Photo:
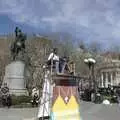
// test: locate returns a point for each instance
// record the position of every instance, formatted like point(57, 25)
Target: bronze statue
point(19, 43)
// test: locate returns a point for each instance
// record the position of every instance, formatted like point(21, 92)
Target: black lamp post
point(91, 63)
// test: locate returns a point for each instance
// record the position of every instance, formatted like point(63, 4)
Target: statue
point(18, 45)
point(16, 72)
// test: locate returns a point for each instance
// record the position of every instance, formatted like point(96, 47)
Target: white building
point(109, 73)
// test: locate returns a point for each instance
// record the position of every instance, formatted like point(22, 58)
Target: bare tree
point(37, 50)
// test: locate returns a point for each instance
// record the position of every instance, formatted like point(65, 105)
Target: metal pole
point(90, 75)
point(94, 81)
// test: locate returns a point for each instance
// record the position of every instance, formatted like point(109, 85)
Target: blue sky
point(89, 20)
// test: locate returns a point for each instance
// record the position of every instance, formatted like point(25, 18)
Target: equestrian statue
point(18, 45)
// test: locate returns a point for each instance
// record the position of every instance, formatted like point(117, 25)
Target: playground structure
point(60, 97)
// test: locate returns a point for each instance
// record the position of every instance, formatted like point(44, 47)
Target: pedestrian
point(5, 89)
point(63, 65)
point(6, 98)
point(118, 95)
point(53, 59)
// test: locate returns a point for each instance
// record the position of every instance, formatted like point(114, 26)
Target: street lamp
point(91, 62)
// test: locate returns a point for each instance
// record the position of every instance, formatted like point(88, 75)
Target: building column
point(117, 78)
point(114, 78)
point(111, 77)
point(101, 84)
point(106, 79)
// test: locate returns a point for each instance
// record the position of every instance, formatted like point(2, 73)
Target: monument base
point(16, 77)
point(19, 92)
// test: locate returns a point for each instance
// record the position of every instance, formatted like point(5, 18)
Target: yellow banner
point(63, 111)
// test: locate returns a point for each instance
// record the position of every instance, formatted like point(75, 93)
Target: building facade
point(108, 73)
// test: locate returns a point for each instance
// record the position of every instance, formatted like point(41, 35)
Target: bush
point(17, 100)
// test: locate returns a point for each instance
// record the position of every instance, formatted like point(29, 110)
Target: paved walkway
point(18, 114)
point(89, 111)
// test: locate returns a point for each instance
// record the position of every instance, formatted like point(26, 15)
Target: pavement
point(18, 113)
point(91, 111)
point(88, 111)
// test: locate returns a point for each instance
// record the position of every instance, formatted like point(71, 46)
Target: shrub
point(17, 100)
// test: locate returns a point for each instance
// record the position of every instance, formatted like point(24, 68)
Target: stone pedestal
point(15, 78)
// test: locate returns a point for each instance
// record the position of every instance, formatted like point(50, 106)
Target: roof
point(111, 55)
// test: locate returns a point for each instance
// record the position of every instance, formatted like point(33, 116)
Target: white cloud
point(89, 19)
